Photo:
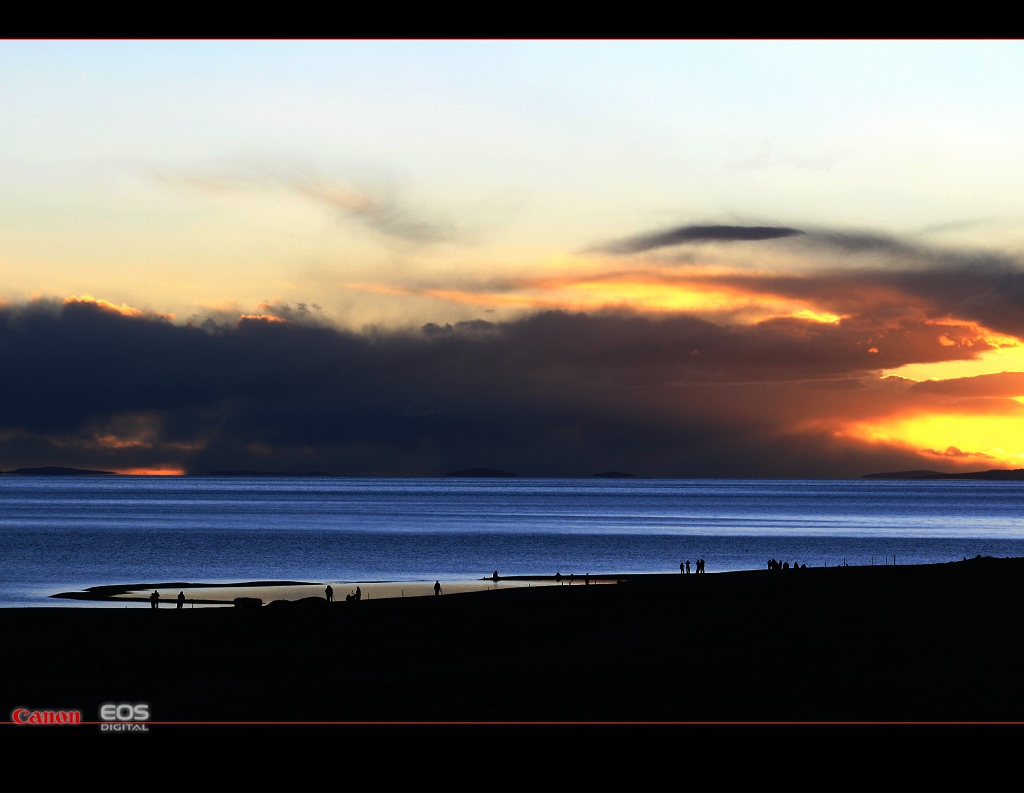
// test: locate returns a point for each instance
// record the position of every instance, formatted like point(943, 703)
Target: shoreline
point(205, 594)
point(914, 643)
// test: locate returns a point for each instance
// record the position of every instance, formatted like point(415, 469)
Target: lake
point(63, 533)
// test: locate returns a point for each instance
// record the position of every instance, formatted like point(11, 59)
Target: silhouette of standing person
point(330, 593)
point(181, 600)
point(687, 566)
point(494, 577)
point(359, 594)
point(437, 588)
point(154, 600)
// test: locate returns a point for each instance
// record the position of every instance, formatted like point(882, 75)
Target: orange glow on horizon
point(150, 471)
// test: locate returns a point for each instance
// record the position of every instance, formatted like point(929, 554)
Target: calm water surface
point(67, 533)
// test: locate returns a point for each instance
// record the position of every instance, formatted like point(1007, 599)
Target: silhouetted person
point(329, 592)
point(558, 575)
point(181, 600)
point(682, 568)
point(359, 594)
point(154, 600)
point(437, 588)
point(586, 580)
point(700, 565)
point(687, 566)
point(494, 577)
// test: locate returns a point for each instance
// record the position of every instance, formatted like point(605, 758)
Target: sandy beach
point(928, 643)
point(268, 592)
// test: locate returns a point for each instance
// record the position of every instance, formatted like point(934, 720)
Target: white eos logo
point(125, 717)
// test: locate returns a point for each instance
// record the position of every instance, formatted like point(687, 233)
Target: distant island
point(481, 473)
point(53, 470)
point(996, 475)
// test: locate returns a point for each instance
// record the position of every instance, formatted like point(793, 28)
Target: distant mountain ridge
point(55, 470)
point(995, 475)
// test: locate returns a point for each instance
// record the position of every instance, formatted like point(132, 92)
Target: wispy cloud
point(381, 209)
point(693, 235)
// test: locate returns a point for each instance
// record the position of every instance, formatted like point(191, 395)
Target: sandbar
point(224, 594)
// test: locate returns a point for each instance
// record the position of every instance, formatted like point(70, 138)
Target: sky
point(670, 258)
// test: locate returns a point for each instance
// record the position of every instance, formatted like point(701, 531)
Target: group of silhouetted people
point(154, 600)
point(684, 567)
point(329, 594)
point(776, 565)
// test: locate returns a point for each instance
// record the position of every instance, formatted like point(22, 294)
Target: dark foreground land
point(933, 643)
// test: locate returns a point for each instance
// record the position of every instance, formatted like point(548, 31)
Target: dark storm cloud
point(986, 290)
point(695, 234)
point(553, 393)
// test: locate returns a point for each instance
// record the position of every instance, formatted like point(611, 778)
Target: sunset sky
point(669, 258)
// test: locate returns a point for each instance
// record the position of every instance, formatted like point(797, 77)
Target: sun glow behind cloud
point(640, 292)
point(123, 309)
point(1008, 356)
point(960, 440)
